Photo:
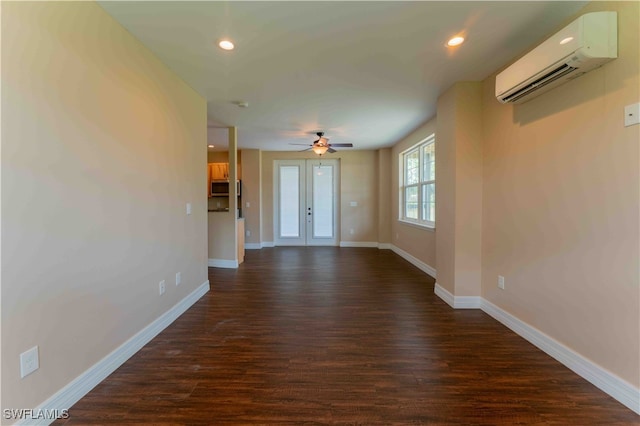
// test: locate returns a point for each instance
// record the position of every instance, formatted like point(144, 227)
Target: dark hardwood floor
point(339, 335)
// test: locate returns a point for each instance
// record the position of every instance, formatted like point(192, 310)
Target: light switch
point(188, 208)
point(631, 114)
point(354, 204)
point(248, 204)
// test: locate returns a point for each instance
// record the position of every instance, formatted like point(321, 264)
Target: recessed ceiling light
point(226, 44)
point(455, 41)
point(566, 40)
point(210, 146)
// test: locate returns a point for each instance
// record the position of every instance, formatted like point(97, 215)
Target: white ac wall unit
point(585, 44)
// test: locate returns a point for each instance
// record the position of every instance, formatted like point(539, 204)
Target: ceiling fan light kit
point(322, 145)
point(320, 149)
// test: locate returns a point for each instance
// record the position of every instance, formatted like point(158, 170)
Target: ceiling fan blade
point(301, 144)
point(331, 150)
point(342, 145)
point(303, 150)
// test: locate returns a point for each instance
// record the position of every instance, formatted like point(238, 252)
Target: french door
point(305, 202)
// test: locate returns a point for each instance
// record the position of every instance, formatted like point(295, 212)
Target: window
point(418, 183)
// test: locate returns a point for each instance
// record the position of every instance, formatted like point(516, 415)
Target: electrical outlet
point(248, 233)
point(351, 231)
point(178, 278)
point(501, 282)
point(248, 204)
point(161, 287)
point(29, 361)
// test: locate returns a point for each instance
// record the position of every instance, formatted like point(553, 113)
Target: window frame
point(421, 183)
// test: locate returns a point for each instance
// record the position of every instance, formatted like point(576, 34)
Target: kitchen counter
point(226, 210)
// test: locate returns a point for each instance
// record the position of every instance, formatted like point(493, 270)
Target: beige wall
point(358, 182)
point(217, 156)
point(468, 188)
point(417, 241)
point(252, 193)
point(561, 183)
point(102, 147)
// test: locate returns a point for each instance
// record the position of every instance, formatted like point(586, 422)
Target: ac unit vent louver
point(561, 71)
point(585, 44)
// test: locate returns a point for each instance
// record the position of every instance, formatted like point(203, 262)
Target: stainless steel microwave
point(221, 188)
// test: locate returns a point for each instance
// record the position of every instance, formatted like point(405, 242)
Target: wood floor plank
point(331, 335)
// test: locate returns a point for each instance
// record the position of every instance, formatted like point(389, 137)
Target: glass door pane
point(322, 178)
point(289, 201)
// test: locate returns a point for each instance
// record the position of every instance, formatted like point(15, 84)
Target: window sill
point(417, 225)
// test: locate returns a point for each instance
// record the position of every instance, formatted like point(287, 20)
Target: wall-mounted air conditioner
point(585, 44)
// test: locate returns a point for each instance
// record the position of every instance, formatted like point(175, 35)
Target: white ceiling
point(366, 73)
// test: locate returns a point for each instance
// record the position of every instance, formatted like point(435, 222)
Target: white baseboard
point(268, 244)
point(603, 379)
point(370, 244)
point(384, 246)
point(457, 302)
point(81, 385)
point(223, 263)
point(467, 302)
point(252, 246)
point(429, 270)
point(444, 294)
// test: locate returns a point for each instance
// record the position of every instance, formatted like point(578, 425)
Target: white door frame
point(305, 191)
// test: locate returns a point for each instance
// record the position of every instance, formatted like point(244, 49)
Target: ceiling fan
point(322, 145)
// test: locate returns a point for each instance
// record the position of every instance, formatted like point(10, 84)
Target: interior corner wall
point(561, 207)
point(446, 190)
point(102, 147)
point(384, 196)
point(459, 193)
